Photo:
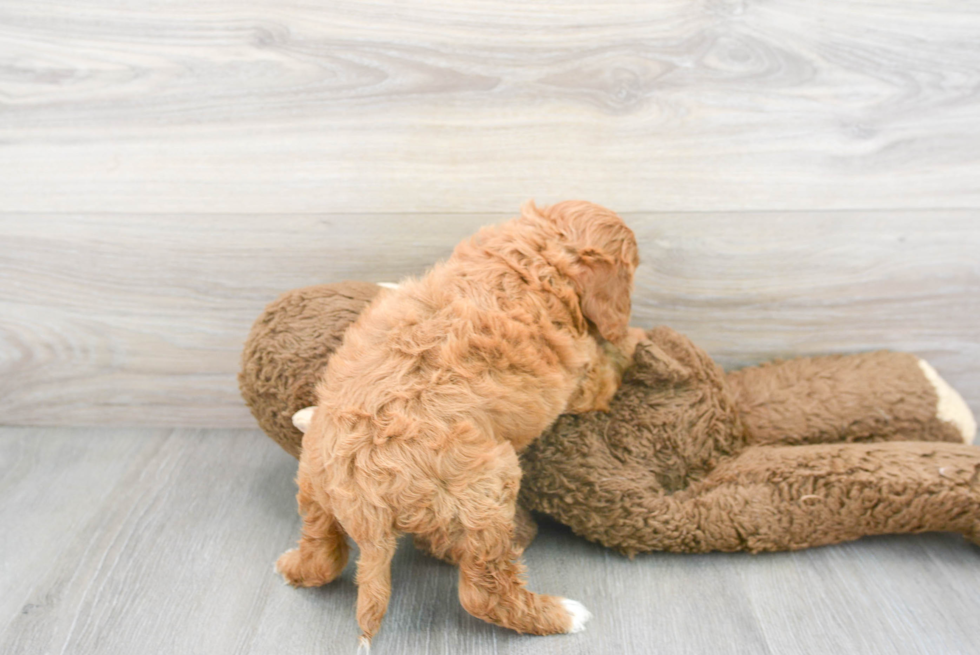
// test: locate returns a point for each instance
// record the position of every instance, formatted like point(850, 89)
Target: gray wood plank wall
point(803, 177)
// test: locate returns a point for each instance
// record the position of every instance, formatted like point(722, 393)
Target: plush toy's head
point(287, 349)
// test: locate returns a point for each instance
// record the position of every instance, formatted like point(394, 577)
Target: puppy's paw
point(580, 616)
point(951, 406)
point(311, 567)
point(288, 566)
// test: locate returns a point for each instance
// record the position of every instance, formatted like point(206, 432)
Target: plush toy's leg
point(785, 498)
point(790, 497)
point(879, 396)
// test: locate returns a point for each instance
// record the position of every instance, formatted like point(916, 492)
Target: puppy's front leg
point(604, 374)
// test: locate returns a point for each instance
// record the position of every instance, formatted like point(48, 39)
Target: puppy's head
point(601, 259)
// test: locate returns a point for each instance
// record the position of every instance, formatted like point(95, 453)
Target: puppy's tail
point(373, 586)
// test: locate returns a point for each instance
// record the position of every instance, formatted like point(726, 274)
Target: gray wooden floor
point(122, 541)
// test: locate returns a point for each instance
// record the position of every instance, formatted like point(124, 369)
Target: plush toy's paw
point(973, 535)
point(302, 418)
point(951, 407)
point(580, 615)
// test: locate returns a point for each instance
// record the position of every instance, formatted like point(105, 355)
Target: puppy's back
point(475, 339)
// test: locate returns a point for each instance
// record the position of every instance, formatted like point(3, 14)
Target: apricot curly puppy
point(438, 385)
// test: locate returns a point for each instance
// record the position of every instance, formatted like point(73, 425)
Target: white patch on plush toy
point(580, 615)
point(951, 407)
point(389, 285)
point(363, 646)
point(302, 418)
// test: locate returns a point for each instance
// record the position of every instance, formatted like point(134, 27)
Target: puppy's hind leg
point(491, 587)
point(323, 550)
point(373, 585)
point(481, 541)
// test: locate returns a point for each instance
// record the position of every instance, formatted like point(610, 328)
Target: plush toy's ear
point(604, 287)
point(654, 366)
point(302, 419)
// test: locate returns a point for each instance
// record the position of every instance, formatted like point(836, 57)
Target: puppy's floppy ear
point(600, 255)
point(604, 287)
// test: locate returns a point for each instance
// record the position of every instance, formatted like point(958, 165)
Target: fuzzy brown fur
point(288, 348)
point(689, 459)
point(437, 386)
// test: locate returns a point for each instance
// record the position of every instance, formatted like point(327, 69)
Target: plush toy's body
point(783, 456)
point(779, 457)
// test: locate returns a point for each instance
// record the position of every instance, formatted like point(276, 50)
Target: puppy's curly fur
point(437, 386)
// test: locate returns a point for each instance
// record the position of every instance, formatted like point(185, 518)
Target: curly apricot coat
point(437, 386)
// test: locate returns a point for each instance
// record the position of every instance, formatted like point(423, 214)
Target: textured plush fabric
point(782, 456)
point(691, 460)
point(287, 348)
point(875, 396)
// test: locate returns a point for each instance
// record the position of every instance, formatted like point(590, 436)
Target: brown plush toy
point(782, 456)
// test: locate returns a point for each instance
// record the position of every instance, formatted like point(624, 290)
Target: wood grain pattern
point(162, 541)
point(468, 105)
point(139, 319)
